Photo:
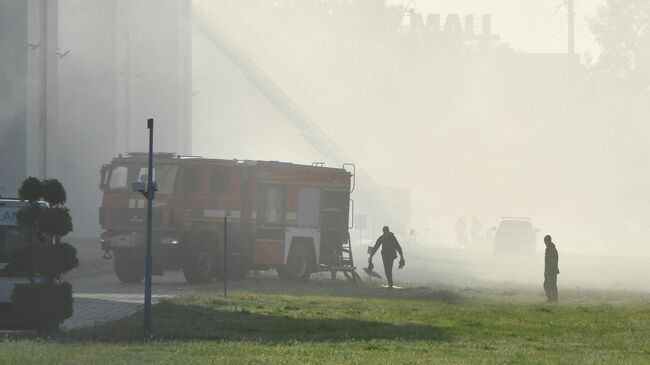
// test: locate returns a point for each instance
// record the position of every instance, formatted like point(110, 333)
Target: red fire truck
point(283, 216)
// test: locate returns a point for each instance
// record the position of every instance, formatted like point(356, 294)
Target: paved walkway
point(103, 298)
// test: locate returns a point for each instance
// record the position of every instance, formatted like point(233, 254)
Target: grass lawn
point(334, 323)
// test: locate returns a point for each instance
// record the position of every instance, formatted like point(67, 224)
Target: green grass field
point(333, 323)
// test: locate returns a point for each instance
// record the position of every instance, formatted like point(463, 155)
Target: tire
point(282, 273)
point(199, 265)
point(129, 266)
point(300, 264)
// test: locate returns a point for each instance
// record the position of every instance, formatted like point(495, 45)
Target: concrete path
point(102, 298)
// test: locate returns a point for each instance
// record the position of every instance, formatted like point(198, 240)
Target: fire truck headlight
point(168, 241)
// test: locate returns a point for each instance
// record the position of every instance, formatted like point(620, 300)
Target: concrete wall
point(13, 95)
point(153, 63)
point(79, 79)
point(84, 137)
point(127, 61)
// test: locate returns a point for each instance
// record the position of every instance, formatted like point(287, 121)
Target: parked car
point(516, 236)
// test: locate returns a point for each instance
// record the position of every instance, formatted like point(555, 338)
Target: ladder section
point(346, 254)
point(372, 193)
point(314, 134)
point(345, 263)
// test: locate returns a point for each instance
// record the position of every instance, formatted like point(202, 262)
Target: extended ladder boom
point(372, 193)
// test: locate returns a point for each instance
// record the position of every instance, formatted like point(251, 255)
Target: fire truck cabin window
point(165, 176)
point(192, 179)
point(271, 205)
point(118, 178)
point(219, 182)
point(121, 176)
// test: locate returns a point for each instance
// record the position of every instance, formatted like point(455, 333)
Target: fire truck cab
point(283, 216)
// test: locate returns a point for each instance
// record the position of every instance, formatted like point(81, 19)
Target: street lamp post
point(148, 258)
point(148, 189)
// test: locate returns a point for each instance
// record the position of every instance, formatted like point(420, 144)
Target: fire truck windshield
point(121, 176)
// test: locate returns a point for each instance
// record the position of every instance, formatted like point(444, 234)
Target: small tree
point(43, 254)
point(622, 29)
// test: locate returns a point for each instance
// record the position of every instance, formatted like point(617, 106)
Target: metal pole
point(148, 259)
point(225, 256)
point(51, 9)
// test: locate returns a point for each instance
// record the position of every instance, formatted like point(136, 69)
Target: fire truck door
point(271, 217)
point(192, 194)
point(308, 208)
point(308, 216)
point(334, 212)
point(271, 211)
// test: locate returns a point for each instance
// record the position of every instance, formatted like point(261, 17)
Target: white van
point(11, 235)
point(515, 236)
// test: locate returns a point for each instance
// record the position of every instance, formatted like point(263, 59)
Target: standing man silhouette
point(551, 270)
point(390, 248)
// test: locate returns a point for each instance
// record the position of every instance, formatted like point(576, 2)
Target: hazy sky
point(527, 25)
point(481, 145)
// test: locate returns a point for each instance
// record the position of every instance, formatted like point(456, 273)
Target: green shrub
point(51, 222)
point(30, 216)
point(31, 189)
point(64, 258)
point(55, 222)
point(41, 306)
point(53, 192)
point(25, 262)
point(49, 262)
point(44, 255)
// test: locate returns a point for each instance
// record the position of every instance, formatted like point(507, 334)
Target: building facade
point(80, 78)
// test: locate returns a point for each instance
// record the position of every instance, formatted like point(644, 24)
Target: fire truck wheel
point(236, 268)
point(299, 264)
point(199, 266)
point(283, 273)
point(129, 267)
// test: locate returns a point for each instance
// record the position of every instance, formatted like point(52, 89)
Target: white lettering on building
point(453, 26)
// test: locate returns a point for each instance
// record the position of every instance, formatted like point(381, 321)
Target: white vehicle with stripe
point(11, 235)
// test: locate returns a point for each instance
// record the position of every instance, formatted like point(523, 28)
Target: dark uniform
point(389, 249)
point(551, 271)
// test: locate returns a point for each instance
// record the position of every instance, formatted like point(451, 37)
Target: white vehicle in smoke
point(11, 235)
point(515, 235)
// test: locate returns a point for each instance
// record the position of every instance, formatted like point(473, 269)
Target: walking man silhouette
point(390, 248)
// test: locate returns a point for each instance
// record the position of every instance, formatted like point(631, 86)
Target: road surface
point(101, 297)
